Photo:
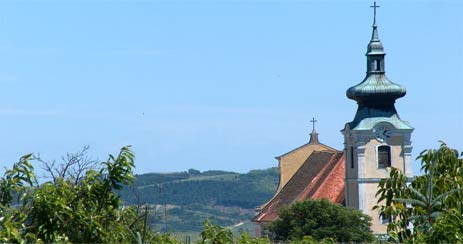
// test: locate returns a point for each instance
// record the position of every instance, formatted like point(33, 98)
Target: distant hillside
point(209, 187)
point(181, 201)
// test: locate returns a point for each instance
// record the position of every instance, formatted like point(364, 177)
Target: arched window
point(384, 157)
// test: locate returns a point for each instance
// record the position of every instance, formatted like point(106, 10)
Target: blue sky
point(216, 84)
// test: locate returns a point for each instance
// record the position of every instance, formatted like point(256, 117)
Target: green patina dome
point(376, 94)
point(376, 88)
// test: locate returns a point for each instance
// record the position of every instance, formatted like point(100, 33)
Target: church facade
point(375, 140)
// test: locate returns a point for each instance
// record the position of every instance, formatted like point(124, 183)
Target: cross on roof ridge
point(313, 123)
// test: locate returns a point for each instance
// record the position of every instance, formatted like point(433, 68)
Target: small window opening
point(385, 220)
point(351, 157)
point(384, 157)
point(378, 65)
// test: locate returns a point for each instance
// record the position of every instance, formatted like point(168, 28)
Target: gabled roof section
point(321, 176)
point(290, 162)
point(314, 142)
point(320, 146)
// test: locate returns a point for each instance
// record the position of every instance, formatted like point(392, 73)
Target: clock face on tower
point(382, 133)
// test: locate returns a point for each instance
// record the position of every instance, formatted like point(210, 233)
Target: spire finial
point(313, 123)
point(374, 35)
point(374, 12)
point(314, 134)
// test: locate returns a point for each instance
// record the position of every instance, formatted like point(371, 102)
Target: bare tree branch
point(73, 166)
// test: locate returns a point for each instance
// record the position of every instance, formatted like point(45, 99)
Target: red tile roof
point(321, 176)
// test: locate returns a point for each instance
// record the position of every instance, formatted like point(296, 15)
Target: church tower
point(377, 138)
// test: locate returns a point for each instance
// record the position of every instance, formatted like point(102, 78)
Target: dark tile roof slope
point(321, 176)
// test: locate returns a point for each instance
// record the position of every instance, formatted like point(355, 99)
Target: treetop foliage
point(62, 210)
point(427, 208)
point(321, 219)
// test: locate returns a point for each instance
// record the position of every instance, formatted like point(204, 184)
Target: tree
point(321, 219)
point(73, 165)
point(65, 210)
point(213, 234)
point(194, 172)
point(16, 182)
point(427, 208)
point(245, 238)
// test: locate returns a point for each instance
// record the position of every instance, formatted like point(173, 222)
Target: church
point(376, 139)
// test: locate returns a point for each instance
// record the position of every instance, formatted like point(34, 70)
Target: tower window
point(351, 157)
point(376, 65)
point(384, 157)
point(385, 220)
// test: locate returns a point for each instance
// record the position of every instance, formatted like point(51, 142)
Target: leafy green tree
point(212, 234)
point(311, 240)
point(245, 238)
point(427, 208)
point(164, 238)
point(16, 182)
point(67, 210)
point(321, 219)
point(88, 212)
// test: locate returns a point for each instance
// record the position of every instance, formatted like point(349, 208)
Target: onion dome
point(376, 89)
point(376, 94)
